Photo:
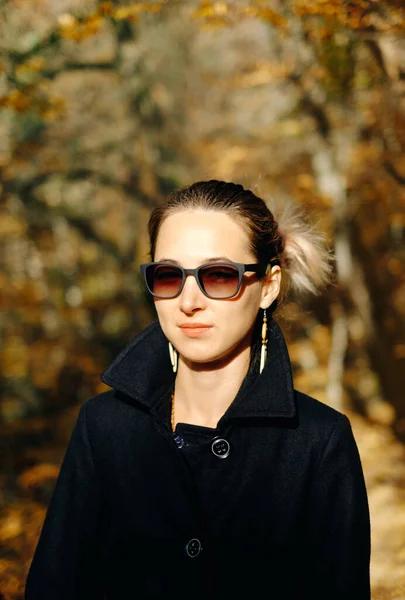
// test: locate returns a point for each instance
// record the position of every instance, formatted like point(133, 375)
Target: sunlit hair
point(306, 258)
point(285, 237)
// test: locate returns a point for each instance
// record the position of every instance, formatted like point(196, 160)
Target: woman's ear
point(270, 286)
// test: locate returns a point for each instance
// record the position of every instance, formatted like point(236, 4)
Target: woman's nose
point(191, 297)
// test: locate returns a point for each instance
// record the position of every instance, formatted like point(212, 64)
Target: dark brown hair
point(290, 239)
point(247, 208)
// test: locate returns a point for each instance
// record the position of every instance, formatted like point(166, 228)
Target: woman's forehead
point(202, 234)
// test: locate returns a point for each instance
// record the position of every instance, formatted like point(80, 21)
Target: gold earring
point(263, 352)
point(173, 357)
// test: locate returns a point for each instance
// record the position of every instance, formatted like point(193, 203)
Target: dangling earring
point(263, 352)
point(173, 357)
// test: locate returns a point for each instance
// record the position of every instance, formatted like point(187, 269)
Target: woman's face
point(194, 237)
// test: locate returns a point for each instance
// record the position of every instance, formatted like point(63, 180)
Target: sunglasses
point(218, 281)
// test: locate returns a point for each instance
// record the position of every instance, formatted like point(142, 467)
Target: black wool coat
point(270, 504)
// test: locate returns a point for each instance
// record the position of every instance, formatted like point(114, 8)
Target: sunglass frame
point(240, 267)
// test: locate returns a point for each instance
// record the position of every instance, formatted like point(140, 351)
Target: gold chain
point(172, 413)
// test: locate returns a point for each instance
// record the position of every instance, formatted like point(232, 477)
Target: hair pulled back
point(287, 238)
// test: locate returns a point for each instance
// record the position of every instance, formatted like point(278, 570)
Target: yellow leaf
point(11, 226)
point(71, 28)
point(67, 21)
point(35, 476)
point(124, 13)
point(106, 9)
point(54, 109)
point(217, 9)
point(267, 14)
point(131, 12)
point(14, 357)
point(16, 100)
point(10, 527)
point(31, 66)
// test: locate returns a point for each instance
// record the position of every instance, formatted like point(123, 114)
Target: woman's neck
point(203, 393)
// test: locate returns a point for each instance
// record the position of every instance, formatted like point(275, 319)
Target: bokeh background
point(108, 106)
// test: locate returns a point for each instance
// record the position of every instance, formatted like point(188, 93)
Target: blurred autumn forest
point(108, 106)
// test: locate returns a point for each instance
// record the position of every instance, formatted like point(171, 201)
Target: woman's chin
point(200, 360)
point(208, 360)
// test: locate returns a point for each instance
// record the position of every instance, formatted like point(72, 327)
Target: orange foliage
point(17, 100)
point(225, 13)
point(34, 97)
point(77, 30)
point(131, 12)
point(37, 475)
point(356, 14)
point(267, 14)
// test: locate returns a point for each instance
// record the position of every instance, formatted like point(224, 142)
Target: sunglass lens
point(220, 281)
point(164, 280)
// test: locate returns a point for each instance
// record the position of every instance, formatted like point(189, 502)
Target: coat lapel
point(143, 372)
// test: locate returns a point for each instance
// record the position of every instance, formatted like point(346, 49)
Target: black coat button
point(193, 548)
point(179, 440)
point(220, 447)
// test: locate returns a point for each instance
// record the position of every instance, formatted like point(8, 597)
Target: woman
point(202, 473)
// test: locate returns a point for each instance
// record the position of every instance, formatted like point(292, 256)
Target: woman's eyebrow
point(218, 258)
point(205, 260)
point(170, 260)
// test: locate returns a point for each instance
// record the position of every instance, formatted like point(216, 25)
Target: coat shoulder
point(320, 420)
point(107, 414)
point(102, 404)
point(311, 408)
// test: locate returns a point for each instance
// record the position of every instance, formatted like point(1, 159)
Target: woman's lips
point(195, 329)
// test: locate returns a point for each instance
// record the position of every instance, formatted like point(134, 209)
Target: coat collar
point(143, 372)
